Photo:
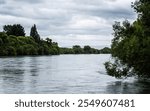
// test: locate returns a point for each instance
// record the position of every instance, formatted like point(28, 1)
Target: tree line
point(131, 45)
point(77, 49)
point(14, 42)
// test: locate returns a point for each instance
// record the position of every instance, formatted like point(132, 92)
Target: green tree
point(49, 41)
point(34, 33)
point(105, 50)
point(11, 51)
point(66, 51)
point(87, 49)
point(15, 29)
point(131, 45)
point(142, 7)
point(11, 45)
point(77, 49)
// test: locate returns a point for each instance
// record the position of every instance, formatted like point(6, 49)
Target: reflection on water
point(12, 71)
point(63, 74)
point(137, 86)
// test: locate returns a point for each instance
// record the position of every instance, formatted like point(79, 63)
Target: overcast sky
point(68, 22)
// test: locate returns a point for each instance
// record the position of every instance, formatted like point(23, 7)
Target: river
point(63, 74)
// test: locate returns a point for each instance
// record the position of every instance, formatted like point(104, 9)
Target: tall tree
point(131, 44)
point(15, 29)
point(34, 33)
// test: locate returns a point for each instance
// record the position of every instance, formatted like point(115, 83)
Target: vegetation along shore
point(13, 42)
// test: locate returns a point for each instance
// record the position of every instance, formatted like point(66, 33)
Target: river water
point(63, 74)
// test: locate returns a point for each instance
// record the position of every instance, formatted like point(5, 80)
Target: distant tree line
point(76, 49)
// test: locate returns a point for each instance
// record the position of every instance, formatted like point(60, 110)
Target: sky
point(68, 22)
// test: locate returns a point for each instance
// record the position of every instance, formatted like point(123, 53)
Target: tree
point(15, 29)
point(49, 41)
point(34, 33)
point(87, 49)
point(131, 45)
point(105, 50)
point(142, 7)
point(12, 45)
point(77, 49)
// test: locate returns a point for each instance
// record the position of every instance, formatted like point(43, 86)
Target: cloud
point(96, 41)
point(107, 9)
point(2, 2)
point(62, 18)
point(28, 1)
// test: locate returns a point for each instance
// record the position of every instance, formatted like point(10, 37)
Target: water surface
point(63, 74)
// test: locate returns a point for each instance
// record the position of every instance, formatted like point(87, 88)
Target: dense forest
point(13, 42)
point(131, 45)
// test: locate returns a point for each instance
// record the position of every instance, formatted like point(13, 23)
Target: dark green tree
point(49, 41)
point(142, 7)
point(87, 49)
point(12, 45)
point(34, 33)
point(105, 50)
point(77, 49)
point(131, 45)
point(15, 29)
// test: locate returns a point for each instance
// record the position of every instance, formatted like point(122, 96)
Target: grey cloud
point(112, 13)
point(99, 8)
point(111, 0)
point(55, 17)
point(2, 2)
point(89, 2)
point(108, 13)
point(78, 31)
point(8, 12)
point(28, 1)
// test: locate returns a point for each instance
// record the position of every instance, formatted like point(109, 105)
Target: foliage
point(11, 45)
point(34, 33)
point(77, 49)
point(85, 50)
point(131, 44)
point(105, 50)
point(66, 51)
point(16, 30)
